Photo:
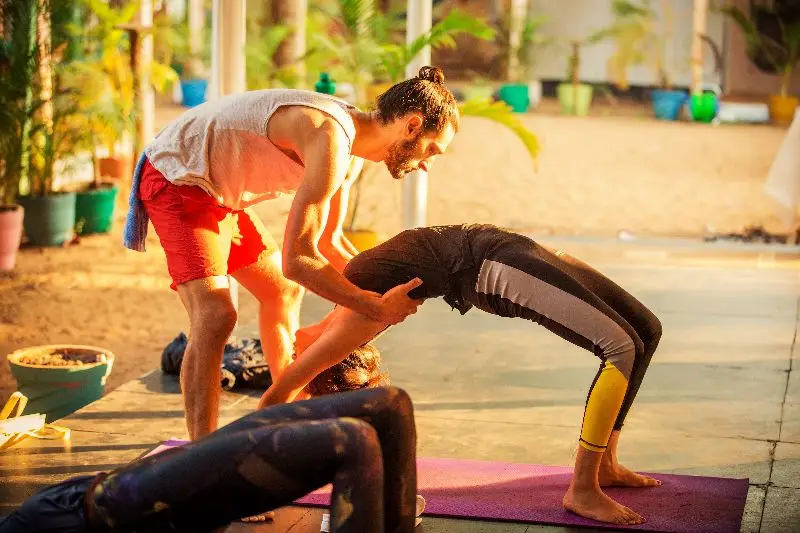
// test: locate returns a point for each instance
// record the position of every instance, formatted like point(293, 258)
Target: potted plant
point(350, 43)
point(103, 82)
point(773, 44)
point(361, 50)
point(50, 214)
point(104, 87)
point(60, 379)
point(523, 90)
point(173, 51)
point(575, 97)
point(638, 40)
point(17, 66)
point(479, 88)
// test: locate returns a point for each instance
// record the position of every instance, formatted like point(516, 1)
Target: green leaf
point(748, 27)
point(501, 113)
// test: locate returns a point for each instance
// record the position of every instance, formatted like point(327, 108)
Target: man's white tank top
point(222, 146)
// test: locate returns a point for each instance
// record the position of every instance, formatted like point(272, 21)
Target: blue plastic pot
point(194, 92)
point(667, 104)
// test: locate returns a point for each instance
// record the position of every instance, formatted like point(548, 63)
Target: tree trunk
point(291, 13)
point(45, 140)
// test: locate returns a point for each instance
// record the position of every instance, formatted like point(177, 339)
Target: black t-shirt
point(433, 254)
point(445, 258)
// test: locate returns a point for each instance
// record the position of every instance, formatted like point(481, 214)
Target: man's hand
point(395, 305)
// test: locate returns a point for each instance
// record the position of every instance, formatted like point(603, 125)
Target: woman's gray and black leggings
point(363, 442)
point(574, 301)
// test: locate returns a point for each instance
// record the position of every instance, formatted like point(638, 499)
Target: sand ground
point(595, 176)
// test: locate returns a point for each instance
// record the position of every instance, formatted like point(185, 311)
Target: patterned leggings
point(362, 442)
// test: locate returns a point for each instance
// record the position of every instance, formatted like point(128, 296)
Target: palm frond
point(501, 113)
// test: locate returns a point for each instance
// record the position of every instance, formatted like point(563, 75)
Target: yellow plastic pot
point(782, 109)
point(362, 239)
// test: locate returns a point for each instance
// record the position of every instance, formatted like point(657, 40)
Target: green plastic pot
point(575, 100)
point(704, 106)
point(57, 391)
point(94, 209)
point(49, 220)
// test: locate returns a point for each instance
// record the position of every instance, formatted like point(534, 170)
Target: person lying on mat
point(509, 275)
point(363, 442)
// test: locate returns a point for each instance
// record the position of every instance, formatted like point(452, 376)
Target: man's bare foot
point(594, 504)
point(618, 476)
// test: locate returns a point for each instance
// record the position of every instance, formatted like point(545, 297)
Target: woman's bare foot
point(616, 475)
point(594, 504)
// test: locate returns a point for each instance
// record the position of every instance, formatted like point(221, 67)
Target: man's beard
point(399, 155)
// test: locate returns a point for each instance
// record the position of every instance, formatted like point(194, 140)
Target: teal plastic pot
point(49, 220)
point(94, 209)
point(667, 104)
point(516, 96)
point(575, 100)
point(57, 391)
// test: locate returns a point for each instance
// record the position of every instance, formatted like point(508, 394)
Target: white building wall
point(576, 19)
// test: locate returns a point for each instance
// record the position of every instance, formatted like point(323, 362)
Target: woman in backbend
point(509, 275)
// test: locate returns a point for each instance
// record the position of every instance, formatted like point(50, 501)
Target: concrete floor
point(720, 397)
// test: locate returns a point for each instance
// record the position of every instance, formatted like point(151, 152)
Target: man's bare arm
point(326, 157)
point(333, 243)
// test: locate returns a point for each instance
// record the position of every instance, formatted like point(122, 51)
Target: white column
point(227, 50)
point(147, 96)
point(196, 21)
point(298, 38)
point(415, 185)
point(228, 65)
point(699, 19)
point(519, 9)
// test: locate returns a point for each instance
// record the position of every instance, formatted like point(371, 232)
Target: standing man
point(198, 178)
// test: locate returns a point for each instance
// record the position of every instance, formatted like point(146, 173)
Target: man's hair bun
point(433, 74)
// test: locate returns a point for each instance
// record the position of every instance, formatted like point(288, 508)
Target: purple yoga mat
point(532, 493)
point(484, 490)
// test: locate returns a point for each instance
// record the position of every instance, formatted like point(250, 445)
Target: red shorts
point(200, 237)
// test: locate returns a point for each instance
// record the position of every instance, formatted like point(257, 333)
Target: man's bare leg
point(212, 318)
point(279, 309)
point(585, 498)
point(614, 474)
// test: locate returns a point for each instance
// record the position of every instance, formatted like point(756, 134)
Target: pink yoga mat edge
point(530, 493)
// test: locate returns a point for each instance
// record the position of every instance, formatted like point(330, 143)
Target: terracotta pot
point(113, 167)
point(782, 109)
point(10, 234)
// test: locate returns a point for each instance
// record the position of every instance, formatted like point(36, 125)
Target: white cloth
point(783, 181)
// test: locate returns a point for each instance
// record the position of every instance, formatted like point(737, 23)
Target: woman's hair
point(425, 94)
point(359, 370)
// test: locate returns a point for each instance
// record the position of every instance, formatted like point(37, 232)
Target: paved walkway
point(720, 398)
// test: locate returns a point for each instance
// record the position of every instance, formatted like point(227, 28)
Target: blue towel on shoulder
point(135, 232)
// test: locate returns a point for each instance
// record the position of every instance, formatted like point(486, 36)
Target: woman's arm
point(346, 331)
